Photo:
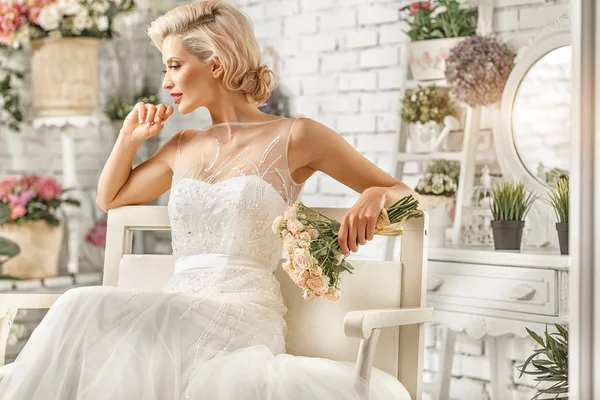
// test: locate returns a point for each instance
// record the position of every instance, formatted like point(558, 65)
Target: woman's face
point(191, 83)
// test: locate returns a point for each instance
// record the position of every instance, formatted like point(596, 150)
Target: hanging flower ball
point(477, 70)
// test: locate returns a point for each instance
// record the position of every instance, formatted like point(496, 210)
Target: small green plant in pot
point(510, 204)
point(549, 364)
point(559, 197)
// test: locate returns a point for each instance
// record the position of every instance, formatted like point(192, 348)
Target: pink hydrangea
point(97, 234)
point(16, 211)
point(7, 185)
point(49, 188)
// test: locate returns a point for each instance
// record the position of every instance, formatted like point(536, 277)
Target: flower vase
point(40, 245)
point(439, 219)
point(422, 136)
point(427, 58)
point(65, 76)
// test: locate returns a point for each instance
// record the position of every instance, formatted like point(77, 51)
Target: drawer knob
point(522, 292)
point(434, 283)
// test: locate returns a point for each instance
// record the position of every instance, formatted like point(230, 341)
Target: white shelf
point(448, 155)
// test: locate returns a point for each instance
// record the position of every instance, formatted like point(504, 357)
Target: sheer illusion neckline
point(242, 123)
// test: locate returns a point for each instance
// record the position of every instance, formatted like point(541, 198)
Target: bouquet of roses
point(310, 239)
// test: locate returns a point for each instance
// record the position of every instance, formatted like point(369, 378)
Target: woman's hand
point(358, 225)
point(145, 121)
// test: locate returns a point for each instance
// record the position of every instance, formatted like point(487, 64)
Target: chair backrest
point(314, 329)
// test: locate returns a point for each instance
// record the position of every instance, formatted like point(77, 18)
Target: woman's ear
point(217, 68)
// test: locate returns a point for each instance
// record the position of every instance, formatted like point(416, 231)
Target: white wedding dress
point(216, 331)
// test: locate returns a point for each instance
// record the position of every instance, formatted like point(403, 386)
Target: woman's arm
point(119, 184)
point(315, 147)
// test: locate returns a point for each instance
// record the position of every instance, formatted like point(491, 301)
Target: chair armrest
point(26, 300)
point(11, 303)
point(360, 324)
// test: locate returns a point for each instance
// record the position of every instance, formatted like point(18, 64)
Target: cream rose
point(287, 266)
point(290, 212)
point(294, 226)
point(314, 234)
point(308, 295)
point(50, 17)
point(278, 226)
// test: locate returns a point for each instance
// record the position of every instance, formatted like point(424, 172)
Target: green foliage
point(8, 250)
point(559, 197)
point(117, 107)
point(426, 104)
point(510, 201)
point(550, 363)
point(439, 19)
point(10, 108)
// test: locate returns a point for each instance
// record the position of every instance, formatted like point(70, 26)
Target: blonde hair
point(213, 29)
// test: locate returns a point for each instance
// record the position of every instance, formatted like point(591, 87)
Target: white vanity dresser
point(489, 294)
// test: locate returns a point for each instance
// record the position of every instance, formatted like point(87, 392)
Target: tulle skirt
point(104, 343)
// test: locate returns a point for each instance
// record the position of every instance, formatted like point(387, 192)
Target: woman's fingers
point(141, 112)
point(361, 230)
point(343, 237)
point(352, 234)
point(161, 111)
point(150, 113)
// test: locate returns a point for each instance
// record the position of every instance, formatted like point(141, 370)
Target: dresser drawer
point(517, 289)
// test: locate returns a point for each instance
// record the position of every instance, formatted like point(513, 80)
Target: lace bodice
point(230, 181)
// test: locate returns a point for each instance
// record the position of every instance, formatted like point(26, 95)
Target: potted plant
point(550, 364)
point(471, 83)
point(64, 37)
point(28, 209)
point(559, 197)
point(437, 188)
point(510, 203)
point(435, 27)
point(424, 109)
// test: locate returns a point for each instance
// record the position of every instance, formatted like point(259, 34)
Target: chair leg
point(446, 359)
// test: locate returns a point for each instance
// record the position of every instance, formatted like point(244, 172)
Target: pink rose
point(305, 236)
point(308, 295)
point(333, 296)
point(16, 212)
point(49, 188)
point(302, 259)
point(426, 5)
point(316, 284)
point(294, 226)
point(33, 14)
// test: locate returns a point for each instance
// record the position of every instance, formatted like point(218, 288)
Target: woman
point(216, 331)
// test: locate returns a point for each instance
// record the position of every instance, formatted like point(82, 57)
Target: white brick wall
point(341, 65)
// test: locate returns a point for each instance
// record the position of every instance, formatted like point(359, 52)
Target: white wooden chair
point(381, 315)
